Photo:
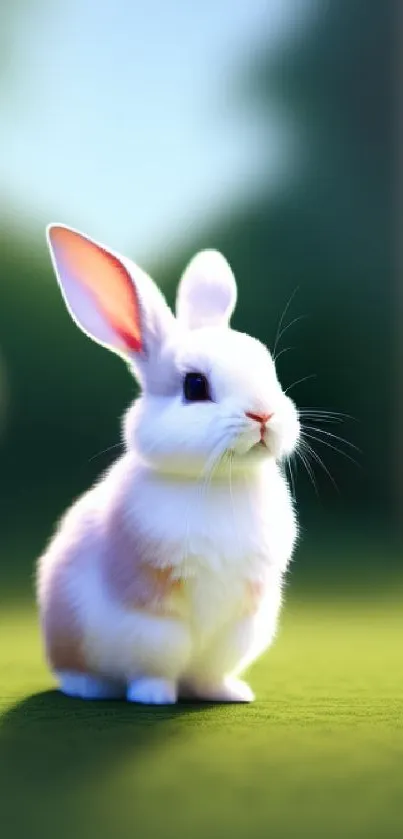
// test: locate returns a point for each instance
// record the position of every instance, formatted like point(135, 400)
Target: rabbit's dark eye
point(196, 388)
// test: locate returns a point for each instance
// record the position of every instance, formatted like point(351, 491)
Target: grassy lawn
point(320, 754)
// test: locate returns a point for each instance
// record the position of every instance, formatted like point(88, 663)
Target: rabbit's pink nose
point(261, 418)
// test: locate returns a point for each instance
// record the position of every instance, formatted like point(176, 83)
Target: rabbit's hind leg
point(214, 675)
point(152, 691)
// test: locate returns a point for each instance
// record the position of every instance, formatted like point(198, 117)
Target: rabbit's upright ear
point(110, 298)
point(207, 292)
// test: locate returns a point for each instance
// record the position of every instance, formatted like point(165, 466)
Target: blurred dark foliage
point(330, 235)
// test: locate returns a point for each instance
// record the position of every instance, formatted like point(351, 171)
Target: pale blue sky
point(123, 119)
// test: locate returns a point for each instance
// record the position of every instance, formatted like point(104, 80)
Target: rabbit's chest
point(219, 525)
point(219, 545)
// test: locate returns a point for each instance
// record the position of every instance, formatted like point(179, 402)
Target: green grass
point(319, 755)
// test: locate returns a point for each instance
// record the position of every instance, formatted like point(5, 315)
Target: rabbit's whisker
point(300, 452)
point(324, 416)
point(330, 434)
point(281, 321)
point(284, 330)
point(299, 381)
point(289, 464)
point(331, 446)
point(281, 352)
point(104, 451)
point(311, 451)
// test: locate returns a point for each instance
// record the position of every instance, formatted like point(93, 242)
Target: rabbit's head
point(207, 390)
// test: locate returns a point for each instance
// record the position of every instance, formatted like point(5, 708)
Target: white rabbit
point(164, 580)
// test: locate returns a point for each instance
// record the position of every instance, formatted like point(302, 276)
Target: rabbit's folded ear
point(110, 298)
point(207, 292)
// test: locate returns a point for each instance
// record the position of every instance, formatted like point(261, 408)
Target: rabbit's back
point(60, 593)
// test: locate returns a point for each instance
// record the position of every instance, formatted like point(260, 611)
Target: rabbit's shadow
point(50, 742)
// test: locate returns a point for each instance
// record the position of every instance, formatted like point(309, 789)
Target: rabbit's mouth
point(269, 446)
point(261, 444)
point(259, 449)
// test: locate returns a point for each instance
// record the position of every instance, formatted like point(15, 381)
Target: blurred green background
point(266, 130)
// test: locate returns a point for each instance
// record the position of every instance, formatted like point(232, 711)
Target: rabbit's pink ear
point(207, 291)
point(97, 289)
point(109, 298)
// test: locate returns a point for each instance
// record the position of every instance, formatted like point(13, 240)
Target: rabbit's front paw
point(84, 686)
point(152, 692)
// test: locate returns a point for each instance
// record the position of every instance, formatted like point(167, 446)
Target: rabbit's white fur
point(165, 578)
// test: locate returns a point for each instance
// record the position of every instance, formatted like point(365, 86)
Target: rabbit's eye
point(196, 387)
